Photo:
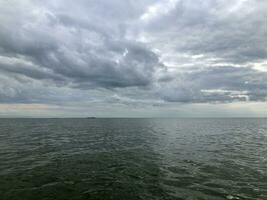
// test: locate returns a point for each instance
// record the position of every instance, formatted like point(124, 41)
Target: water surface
point(73, 159)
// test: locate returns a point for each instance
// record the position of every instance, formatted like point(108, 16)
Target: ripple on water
point(133, 159)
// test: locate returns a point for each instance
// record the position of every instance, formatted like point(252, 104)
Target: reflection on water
point(133, 159)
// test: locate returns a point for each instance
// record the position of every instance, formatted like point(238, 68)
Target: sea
point(133, 159)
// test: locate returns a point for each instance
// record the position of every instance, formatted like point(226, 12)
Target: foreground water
point(72, 159)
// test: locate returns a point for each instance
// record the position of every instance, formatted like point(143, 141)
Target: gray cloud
point(83, 52)
point(133, 52)
point(217, 84)
point(222, 29)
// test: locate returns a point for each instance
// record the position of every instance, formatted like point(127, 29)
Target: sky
point(133, 58)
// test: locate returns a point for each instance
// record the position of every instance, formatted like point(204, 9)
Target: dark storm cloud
point(82, 51)
point(133, 51)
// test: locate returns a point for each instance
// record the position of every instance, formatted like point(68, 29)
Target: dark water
point(72, 159)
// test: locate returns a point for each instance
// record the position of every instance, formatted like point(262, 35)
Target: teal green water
point(75, 159)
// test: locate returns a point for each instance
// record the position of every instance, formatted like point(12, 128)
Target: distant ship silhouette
point(91, 117)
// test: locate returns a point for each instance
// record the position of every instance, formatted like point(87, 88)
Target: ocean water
point(73, 159)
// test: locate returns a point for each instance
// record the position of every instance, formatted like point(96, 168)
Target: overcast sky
point(133, 58)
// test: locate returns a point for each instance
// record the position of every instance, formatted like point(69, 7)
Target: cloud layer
point(133, 52)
